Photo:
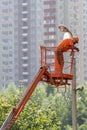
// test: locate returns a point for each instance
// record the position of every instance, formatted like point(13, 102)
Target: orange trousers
point(59, 60)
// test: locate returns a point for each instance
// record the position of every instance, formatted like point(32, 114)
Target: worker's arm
point(74, 48)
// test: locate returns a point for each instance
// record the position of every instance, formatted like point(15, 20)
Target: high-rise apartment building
point(27, 24)
point(16, 42)
point(6, 42)
point(73, 14)
point(30, 35)
point(75, 17)
point(50, 23)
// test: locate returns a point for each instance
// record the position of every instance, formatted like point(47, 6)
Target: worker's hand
point(72, 52)
point(77, 49)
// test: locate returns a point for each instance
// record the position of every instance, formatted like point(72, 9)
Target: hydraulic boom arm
point(14, 114)
point(45, 74)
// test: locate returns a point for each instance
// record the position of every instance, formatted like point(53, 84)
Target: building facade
point(30, 30)
point(6, 43)
point(72, 14)
point(27, 24)
point(50, 24)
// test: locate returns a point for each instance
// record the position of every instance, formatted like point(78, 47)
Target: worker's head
point(75, 39)
point(63, 28)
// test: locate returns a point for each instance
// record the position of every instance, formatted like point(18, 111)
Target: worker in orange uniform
point(67, 44)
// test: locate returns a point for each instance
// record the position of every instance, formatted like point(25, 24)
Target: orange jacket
point(65, 45)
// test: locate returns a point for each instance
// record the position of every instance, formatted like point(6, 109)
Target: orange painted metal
point(47, 73)
point(14, 114)
point(54, 68)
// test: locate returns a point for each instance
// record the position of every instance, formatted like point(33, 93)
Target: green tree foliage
point(36, 115)
point(82, 109)
point(46, 109)
point(8, 99)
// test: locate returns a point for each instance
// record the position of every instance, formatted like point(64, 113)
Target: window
point(24, 39)
point(9, 70)
point(25, 30)
point(25, 61)
point(24, 1)
point(10, 55)
point(25, 76)
point(10, 78)
point(24, 8)
point(5, 25)
point(5, 63)
point(24, 23)
point(25, 69)
point(10, 32)
point(24, 15)
point(25, 46)
point(25, 54)
point(5, 47)
point(10, 25)
point(5, 40)
point(10, 62)
point(5, 33)
point(5, 3)
point(5, 70)
point(5, 10)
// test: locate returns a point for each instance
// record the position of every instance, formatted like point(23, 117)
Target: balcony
point(25, 80)
point(24, 27)
point(24, 42)
point(24, 19)
point(49, 17)
point(25, 73)
point(49, 25)
point(24, 65)
point(24, 34)
point(25, 49)
point(24, 12)
point(52, 2)
point(49, 33)
point(50, 41)
point(25, 58)
point(51, 10)
point(24, 4)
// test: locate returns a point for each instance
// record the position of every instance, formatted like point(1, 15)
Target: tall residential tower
point(30, 36)
point(27, 24)
point(7, 64)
